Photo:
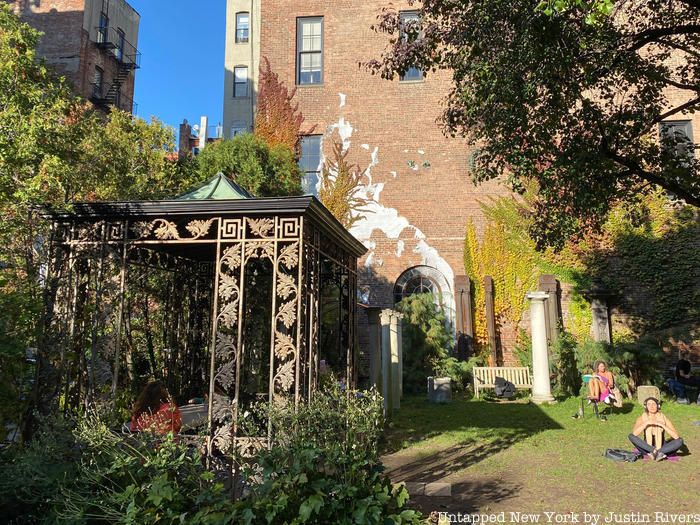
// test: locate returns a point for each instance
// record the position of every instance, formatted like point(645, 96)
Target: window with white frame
point(238, 127)
point(310, 163)
point(242, 27)
point(677, 137)
point(240, 82)
point(310, 50)
point(102, 28)
point(409, 32)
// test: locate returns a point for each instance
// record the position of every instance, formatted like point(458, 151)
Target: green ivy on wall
point(646, 253)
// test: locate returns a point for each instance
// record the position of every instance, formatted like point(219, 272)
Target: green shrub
point(427, 344)
point(140, 480)
point(324, 467)
point(31, 475)
point(564, 366)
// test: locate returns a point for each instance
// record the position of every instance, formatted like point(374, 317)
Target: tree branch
point(679, 47)
point(685, 87)
point(677, 109)
point(635, 169)
point(639, 40)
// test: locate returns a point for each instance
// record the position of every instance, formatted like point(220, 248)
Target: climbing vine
point(647, 254)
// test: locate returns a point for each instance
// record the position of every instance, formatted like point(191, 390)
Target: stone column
point(374, 346)
point(541, 388)
point(399, 346)
point(601, 328)
point(396, 360)
point(386, 388)
point(549, 284)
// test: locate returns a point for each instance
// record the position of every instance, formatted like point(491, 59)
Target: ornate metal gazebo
point(249, 295)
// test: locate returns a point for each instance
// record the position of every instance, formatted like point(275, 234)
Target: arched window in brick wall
point(423, 279)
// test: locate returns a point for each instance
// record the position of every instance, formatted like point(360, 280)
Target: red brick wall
point(67, 47)
point(399, 120)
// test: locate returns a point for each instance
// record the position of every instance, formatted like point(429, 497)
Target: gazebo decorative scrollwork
point(250, 296)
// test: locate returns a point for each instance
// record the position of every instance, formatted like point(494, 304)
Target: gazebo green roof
point(219, 187)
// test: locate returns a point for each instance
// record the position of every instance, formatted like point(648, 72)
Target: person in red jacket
point(155, 411)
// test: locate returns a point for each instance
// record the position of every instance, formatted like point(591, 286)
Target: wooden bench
point(485, 377)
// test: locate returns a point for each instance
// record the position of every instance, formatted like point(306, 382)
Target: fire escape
point(127, 58)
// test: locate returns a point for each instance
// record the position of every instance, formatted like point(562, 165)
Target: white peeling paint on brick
point(342, 99)
point(376, 216)
point(344, 130)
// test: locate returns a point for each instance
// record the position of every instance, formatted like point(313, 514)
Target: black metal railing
point(112, 98)
point(114, 40)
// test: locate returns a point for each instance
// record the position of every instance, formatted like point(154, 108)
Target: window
point(240, 82)
point(102, 28)
point(242, 27)
point(310, 163)
point(409, 32)
point(677, 137)
point(309, 50)
point(97, 82)
point(423, 279)
point(238, 127)
point(119, 51)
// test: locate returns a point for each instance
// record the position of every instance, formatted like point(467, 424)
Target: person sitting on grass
point(155, 411)
point(656, 428)
point(601, 384)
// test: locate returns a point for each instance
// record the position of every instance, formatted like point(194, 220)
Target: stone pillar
point(396, 360)
point(541, 388)
point(399, 347)
point(386, 389)
point(465, 322)
point(374, 346)
point(491, 319)
point(601, 327)
point(549, 284)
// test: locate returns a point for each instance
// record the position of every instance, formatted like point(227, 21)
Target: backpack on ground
point(503, 387)
point(617, 454)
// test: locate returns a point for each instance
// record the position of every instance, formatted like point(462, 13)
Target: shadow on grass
point(473, 431)
point(478, 495)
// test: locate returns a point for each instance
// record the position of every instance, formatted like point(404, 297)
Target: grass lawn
point(528, 458)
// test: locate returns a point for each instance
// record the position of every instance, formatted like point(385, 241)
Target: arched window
point(421, 279)
point(426, 279)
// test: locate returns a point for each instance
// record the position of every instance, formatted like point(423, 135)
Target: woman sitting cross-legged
point(601, 383)
point(656, 428)
point(155, 411)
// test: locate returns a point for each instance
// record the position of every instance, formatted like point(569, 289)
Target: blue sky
point(182, 63)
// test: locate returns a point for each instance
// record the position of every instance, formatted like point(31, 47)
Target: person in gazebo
point(155, 411)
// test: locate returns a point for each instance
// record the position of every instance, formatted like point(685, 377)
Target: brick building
point(93, 43)
point(419, 182)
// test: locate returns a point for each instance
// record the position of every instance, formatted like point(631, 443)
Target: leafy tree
point(547, 95)
point(263, 170)
point(427, 336)
point(339, 185)
point(277, 119)
point(54, 149)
